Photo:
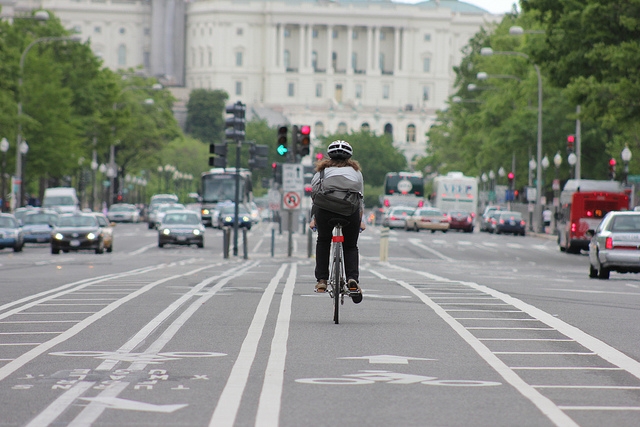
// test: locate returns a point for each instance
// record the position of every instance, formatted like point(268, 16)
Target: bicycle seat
point(333, 222)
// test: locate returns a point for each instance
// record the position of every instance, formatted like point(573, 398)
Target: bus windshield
point(404, 183)
point(221, 186)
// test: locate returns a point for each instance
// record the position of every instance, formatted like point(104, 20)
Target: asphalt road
point(455, 329)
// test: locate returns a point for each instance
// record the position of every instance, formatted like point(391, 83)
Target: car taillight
point(387, 203)
point(502, 221)
point(421, 203)
point(608, 244)
point(522, 223)
point(574, 227)
point(392, 218)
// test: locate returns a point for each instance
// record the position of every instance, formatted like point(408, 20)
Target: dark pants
point(350, 244)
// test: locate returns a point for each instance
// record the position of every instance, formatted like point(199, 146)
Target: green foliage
point(206, 115)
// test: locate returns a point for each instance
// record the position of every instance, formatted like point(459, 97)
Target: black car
point(228, 213)
point(76, 232)
point(510, 222)
point(181, 227)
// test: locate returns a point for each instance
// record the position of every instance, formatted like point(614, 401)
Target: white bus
point(455, 191)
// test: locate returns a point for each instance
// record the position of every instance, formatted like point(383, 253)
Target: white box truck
point(455, 191)
point(62, 199)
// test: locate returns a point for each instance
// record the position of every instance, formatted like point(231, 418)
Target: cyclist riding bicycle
point(340, 176)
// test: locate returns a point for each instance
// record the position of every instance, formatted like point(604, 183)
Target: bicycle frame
point(337, 278)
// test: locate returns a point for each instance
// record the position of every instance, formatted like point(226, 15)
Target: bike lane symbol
point(373, 376)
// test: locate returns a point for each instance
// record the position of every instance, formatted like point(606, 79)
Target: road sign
point(291, 200)
point(292, 177)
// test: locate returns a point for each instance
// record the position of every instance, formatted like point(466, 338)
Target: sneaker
point(354, 291)
point(321, 286)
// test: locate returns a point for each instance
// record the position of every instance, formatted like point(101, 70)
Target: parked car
point(430, 218)
point(615, 244)
point(396, 217)
point(11, 235)
point(75, 232)
point(123, 212)
point(461, 220)
point(182, 227)
point(510, 222)
point(37, 225)
point(485, 223)
point(227, 215)
point(107, 230)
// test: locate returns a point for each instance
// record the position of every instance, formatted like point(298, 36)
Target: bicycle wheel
point(337, 285)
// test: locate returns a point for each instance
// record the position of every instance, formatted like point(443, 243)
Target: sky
point(493, 6)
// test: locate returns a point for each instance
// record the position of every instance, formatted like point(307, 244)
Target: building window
point(287, 58)
point(383, 35)
point(425, 93)
point(388, 129)
point(314, 60)
point(201, 58)
point(287, 33)
point(335, 34)
point(210, 58)
point(318, 90)
point(147, 31)
point(427, 37)
point(147, 59)
point(385, 91)
point(314, 33)
point(122, 55)
point(354, 60)
point(354, 35)
point(239, 31)
point(334, 60)
point(342, 128)
point(364, 127)
point(97, 29)
point(411, 133)
point(238, 59)
point(291, 90)
point(358, 91)
point(318, 129)
point(238, 88)
point(426, 65)
point(381, 61)
point(122, 30)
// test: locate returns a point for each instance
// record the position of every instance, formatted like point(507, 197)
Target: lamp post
point(492, 183)
point(18, 181)
point(24, 149)
point(484, 179)
point(557, 161)
point(487, 51)
point(94, 187)
point(626, 157)
point(572, 159)
point(4, 147)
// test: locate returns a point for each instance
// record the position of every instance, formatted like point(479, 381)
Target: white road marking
point(143, 249)
point(588, 291)
point(592, 387)
point(418, 243)
point(600, 408)
point(59, 405)
point(386, 359)
point(270, 401)
point(229, 401)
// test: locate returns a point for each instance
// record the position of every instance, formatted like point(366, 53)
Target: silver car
point(615, 244)
point(397, 217)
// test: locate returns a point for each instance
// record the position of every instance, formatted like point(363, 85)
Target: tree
point(206, 115)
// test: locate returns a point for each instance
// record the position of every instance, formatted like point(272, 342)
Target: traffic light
point(511, 176)
point(283, 147)
point(235, 125)
point(295, 134)
point(277, 172)
point(258, 156)
point(304, 140)
point(571, 140)
point(219, 159)
point(612, 169)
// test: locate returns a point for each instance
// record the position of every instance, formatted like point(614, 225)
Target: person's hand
point(312, 224)
point(363, 226)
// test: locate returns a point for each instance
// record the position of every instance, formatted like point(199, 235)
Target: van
point(62, 199)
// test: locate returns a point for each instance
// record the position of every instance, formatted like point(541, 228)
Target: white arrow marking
point(385, 358)
point(132, 405)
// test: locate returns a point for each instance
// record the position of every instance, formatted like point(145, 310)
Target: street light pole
point(17, 201)
point(4, 147)
point(487, 51)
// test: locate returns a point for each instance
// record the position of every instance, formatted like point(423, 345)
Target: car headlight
point(91, 236)
point(166, 231)
point(205, 211)
point(228, 219)
point(196, 232)
point(245, 218)
point(58, 236)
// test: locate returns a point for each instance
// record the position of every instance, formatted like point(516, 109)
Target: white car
point(123, 212)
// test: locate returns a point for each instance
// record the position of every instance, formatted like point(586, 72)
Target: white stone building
point(337, 65)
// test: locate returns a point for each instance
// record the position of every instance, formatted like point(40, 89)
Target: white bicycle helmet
point(340, 150)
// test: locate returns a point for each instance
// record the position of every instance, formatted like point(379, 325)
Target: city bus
point(218, 185)
point(583, 204)
point(403, 189)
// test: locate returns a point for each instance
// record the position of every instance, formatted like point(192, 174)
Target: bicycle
point(337, 278)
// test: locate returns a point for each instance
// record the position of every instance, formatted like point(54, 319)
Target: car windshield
point(7, 222)
point(402, 211)
point(77, 221)
point(430, 212)
point(39, 219)
point(231, 210)
point(122, 208)
point(181, 218)
point(103, 221)
point(516, 216)
point(626, 223)
point(459, 213)
point(58, 201)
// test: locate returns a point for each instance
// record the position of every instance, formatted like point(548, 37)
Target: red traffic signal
point(571, 139)
point(612, 162)
point(511, 175)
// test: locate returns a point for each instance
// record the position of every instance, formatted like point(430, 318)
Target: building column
point(405, 47)
point(280, 59)
point(369, 62)
point(309, 31)
point(396, 50)
point(376, 48)
point(329, 49)
point(301, 48)
point(349, 50)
